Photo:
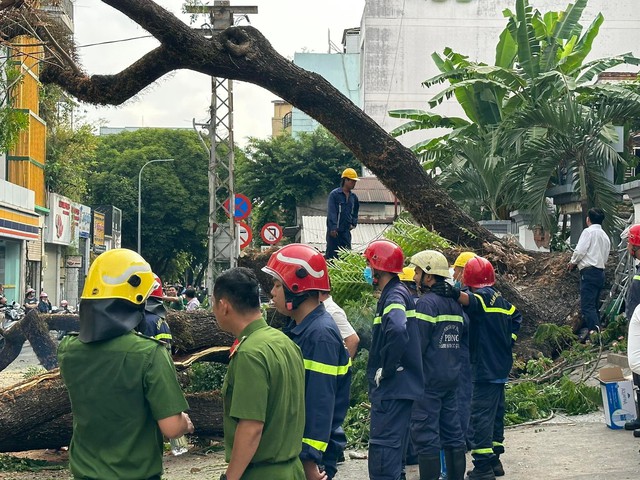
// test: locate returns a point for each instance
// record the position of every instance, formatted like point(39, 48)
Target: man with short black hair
point(590, 256)
point(192, 302)
point(263, 390)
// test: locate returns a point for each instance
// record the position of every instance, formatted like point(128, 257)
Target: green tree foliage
point(281, 172)
point(174, 194)
point(12, 121)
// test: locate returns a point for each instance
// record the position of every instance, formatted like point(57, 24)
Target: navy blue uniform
point(435, 420)
point(342, 216)
point(327, 381)
point(494, 324)
point(155, 326)
point(395, 348)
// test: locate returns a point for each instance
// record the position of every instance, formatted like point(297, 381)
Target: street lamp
point(140, 197)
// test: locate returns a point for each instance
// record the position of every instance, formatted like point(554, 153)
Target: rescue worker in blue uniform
point(394, 370)
point(494, 324)
point(632, 301)
point(300, 273)
point(342, 214)
point(435, 423)
point(154, 324)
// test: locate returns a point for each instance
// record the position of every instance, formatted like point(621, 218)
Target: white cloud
point(290, 26)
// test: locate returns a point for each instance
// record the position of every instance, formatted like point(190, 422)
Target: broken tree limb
point(36, 414)
point(36, 331)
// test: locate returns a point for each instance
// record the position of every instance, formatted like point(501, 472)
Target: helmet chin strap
point(293, 301)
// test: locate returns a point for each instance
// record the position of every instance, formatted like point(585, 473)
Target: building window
point(286, 121)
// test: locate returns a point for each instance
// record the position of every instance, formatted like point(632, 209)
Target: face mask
point(457, 284)
point(368, 275)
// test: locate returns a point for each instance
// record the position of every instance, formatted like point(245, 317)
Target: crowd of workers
point(286, 393)
point(440, 357)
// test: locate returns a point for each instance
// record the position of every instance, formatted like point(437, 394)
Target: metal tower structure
point(222, 235)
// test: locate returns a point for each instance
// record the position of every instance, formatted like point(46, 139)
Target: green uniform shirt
point(265, 382)
point(119, 389)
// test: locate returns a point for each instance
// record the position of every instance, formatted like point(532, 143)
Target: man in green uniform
point(123, 387)
point(263, 390)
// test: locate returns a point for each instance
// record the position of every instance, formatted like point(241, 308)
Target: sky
point(176, 99)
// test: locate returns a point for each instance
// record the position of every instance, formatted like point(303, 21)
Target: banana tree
point(573, 138)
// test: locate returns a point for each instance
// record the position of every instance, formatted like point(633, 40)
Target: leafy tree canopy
point(283, 172)
point(174, 194)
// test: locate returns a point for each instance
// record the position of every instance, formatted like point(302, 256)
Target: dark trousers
point(487, 421)
point(337, 443)
point(465, 390)
point(636, 381)
point(435, 423)
point(343, 240)
point(388, 437)
point(591, 283)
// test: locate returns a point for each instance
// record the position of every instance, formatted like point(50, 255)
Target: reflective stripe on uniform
point(495, 309)
point(514, 337)
point(394, 306)
point(636, 277)
point(439, 318)
point(482, 451)
point(326, 369)
point(317, 444)
point(163, 336)
point(498, 444)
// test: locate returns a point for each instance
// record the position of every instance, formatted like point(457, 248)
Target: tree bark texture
point(36, 414)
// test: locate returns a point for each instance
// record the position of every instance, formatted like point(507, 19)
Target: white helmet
point(431, 262)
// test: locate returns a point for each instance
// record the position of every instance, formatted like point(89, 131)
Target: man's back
point(118, 388)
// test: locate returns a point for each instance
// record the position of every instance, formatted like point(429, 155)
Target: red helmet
point(385, 256)
point(299, 267)
point(633, 237)
point(479, 273)
point(157, 291)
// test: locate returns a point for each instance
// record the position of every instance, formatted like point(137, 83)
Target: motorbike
point(11, 314)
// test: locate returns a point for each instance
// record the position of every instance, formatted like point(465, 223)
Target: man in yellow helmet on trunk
point(342, 214)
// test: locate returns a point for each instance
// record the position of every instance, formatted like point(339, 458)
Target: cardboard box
point(617, 397)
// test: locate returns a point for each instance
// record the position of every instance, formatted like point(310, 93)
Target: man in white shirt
point(192, 302)
point(633, 354)
point(590, 256)
point(347, 332)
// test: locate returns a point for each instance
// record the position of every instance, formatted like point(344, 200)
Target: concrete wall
point(397, 45)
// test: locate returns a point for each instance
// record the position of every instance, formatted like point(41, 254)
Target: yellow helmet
point(432, 263)
point(350, 173)
point(119, 273)
point(407, 274)
point(463, 258)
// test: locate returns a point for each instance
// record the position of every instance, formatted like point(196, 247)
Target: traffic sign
point(244, 234)
point(243, 206)
point(271, 233)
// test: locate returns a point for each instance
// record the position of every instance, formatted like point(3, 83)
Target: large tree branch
point(113, 89)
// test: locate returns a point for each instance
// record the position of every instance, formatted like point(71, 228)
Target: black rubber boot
point(632, 425)
point(496, 465)
point(456, 463)
point(636, 433)
point(484, 474)
point(429, 467)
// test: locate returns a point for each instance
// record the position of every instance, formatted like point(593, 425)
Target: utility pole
point(223, 239)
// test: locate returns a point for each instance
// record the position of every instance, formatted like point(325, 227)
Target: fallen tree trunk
point(36, 414)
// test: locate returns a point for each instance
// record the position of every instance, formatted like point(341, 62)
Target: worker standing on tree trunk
point(123, 386)
point(590, 256)
point(342, 214)
point(394, 369)
point(494, 324)
point(633, 342)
